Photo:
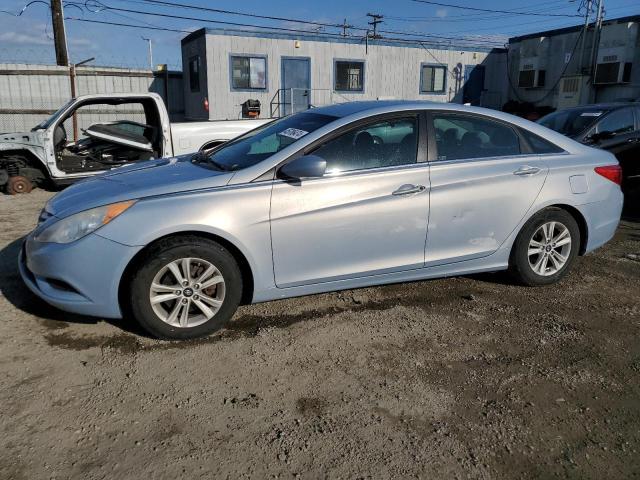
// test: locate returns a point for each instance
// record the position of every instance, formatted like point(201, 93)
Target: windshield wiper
point(201, 157)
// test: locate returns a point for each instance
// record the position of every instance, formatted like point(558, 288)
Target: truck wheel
point(19, 184)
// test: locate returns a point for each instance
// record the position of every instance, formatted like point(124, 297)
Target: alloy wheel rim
point(549, 248)
point(187, 292)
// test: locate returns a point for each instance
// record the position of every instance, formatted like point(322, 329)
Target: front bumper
point(82, 277)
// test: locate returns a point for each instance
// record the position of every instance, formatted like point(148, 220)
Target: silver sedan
point(347, 196)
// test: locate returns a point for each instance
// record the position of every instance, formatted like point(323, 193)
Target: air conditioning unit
point(532, 73)
point(532, 78)
point(612, 72)
point(616, 52)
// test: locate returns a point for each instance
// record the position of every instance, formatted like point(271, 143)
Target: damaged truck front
point(96, 133)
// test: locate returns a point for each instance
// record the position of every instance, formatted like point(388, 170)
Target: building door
point(296, 84)
point(473, 84)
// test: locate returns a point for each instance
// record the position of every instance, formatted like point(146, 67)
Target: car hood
point(144, 179)
point(20, 138)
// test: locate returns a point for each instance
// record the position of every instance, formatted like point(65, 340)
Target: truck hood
point(144, 179)
point(10, 140)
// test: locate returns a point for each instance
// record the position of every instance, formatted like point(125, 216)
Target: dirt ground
point(459, 378)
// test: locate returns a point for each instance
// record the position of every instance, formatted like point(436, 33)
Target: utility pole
point(583, 41)
point(148, 40)
point(59, 34)
point(375, 20)
point(345, 25)
point(596, 36)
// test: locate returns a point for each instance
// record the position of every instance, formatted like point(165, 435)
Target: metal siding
point(390, 71)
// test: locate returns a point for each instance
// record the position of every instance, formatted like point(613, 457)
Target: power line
point(331, 35)
point(476, 16)
point(244, 14)
point(117, 24)
point(430, 37)
point(511, 12)
point(340, 26)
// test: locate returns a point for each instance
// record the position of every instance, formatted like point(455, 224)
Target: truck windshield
point(49, 121)
point(259, 144)
point(571, 122)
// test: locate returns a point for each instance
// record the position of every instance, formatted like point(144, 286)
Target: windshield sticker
point(590, 114)
point(293, 133)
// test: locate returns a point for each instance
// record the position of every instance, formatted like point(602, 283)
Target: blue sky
point(28, 38)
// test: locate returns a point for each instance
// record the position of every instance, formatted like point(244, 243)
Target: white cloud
point(441, 12)
point(18, 38)
point(42, 39)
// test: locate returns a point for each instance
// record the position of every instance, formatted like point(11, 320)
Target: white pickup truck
point(94, 133)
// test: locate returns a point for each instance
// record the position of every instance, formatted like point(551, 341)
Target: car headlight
point(77, 226)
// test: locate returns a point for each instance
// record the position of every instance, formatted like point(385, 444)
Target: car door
point(482, 185)
point(368, 214)
point(618, 132)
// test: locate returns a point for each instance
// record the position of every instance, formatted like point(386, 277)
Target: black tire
point(161, 254)
point(519, 266)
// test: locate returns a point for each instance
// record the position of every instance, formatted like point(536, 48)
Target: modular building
point(290, 72)
point(567, 67)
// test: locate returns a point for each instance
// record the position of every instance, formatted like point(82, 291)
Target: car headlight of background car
point(81, 224)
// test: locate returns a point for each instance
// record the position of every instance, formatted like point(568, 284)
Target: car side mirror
point(307, 166)
point(604, 135)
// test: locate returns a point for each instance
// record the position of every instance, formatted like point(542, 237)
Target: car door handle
point(633, 140)
point(526, 170)
point(409, 189)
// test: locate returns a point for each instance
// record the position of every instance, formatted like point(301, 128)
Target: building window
point(194, 73)
point(349, 76)
point(248, 73)
point(433, 78)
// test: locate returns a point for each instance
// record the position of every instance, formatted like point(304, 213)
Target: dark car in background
point(614, 127)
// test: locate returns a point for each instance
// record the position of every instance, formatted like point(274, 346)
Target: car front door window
point(618, 121)
point(387, 143)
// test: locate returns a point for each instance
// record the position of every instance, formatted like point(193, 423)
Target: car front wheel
point(185, 287)
point(545, 248)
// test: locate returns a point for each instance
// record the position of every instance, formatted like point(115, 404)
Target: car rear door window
point(460, 136)
point(618, 121)
point(387, 143)
point(538, 144)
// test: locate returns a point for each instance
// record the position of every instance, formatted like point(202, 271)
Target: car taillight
point(611, 172)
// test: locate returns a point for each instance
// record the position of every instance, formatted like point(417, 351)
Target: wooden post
point(59, 34)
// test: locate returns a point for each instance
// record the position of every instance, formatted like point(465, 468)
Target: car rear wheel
point(545, 248)
point(185, 287)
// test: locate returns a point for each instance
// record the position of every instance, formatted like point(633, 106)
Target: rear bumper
point(82, 277)
point(602, 219)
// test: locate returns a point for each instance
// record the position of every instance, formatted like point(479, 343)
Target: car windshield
point(49, 121)
point(259, 144)
point(572, 122)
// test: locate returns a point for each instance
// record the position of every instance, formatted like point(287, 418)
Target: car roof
point(349, 108)
point(601, 106)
